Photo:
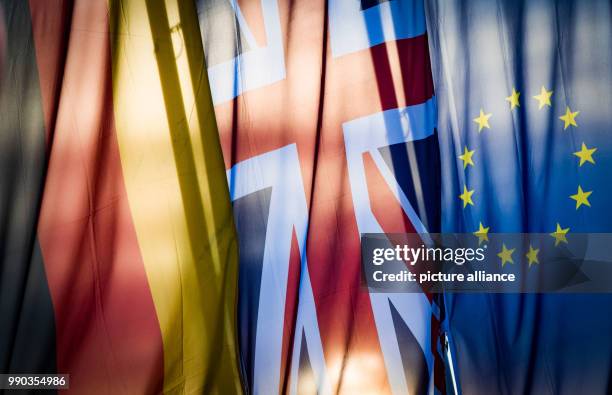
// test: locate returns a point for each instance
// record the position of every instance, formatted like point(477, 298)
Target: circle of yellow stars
point(584, 155)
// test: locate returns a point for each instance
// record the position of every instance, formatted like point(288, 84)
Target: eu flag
point(524, 95)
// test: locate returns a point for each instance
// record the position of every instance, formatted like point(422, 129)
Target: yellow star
point(482, 233)
point(559, 235)
point(569, 118)
point(543, 98)
point(585, 154)
point(514, 99)
point(483, 120)
point(466, 196)
point(505, 255)
point(532, 255)
point(581, 197)
point(467, 157)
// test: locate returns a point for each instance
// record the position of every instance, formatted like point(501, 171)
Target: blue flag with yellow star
point(524, 95)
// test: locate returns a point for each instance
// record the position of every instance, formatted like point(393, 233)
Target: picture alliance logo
point(413, 255)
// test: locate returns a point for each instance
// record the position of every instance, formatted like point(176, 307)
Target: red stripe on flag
point(289, 332)
point(385, 206)
point(108, 336)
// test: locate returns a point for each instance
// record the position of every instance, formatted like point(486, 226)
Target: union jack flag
point(327, 118)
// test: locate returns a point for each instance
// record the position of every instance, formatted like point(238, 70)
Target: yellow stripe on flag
point(177, 189)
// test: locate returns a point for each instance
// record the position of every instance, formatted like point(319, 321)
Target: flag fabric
point(523, 90)
point(27, 326)
point(326, 115)
point(119, 256)
point(184, 183)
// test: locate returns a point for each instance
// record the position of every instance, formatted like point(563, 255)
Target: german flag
point(117, 243)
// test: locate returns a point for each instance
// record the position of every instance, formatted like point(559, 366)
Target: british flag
point(327, 118)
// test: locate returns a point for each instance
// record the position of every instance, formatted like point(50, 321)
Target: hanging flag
point(523, 89)
point(119, 256)
point(327, 118)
